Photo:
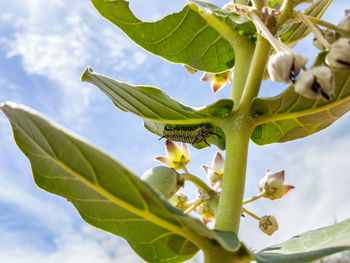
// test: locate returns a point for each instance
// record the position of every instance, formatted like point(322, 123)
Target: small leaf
point(183, 37)
point(293, 32)
point(309, 246)
point(290, 116)
point(109, 196)
point(152, 103)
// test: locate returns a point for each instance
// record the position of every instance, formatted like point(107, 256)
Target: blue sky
point(44, 48)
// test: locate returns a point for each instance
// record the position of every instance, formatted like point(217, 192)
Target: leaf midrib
point(119, 202)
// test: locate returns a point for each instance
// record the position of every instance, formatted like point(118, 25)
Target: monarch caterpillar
point(192, 135)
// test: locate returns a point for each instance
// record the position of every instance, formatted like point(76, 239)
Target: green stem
point(329, 25)
point(238, 128)
point(249, 200)
point(241, 69)
point(287, 12)
point(252, 215)
point(256, 73)
point(230, 204)
point(198, 182)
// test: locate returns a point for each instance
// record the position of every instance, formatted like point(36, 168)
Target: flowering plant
point(244, 42)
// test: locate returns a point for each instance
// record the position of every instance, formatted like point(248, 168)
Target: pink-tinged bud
point(272, 185)
point(190, 69)
point(218, 80)
point(164, 180)
point(180, 201)
point(338, 57)
point(317, 82)
point(285, 66)
point(176, 157)
point(215, 173)
point(345, 22)
point(268, 225)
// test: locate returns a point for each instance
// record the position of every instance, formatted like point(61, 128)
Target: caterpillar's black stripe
point(192, 135)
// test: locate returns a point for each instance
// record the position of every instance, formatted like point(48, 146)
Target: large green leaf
point(293, 32)
point(309, 246)
point(109, 196)
point(290, 116)
point(153, 104)
point(184, 37)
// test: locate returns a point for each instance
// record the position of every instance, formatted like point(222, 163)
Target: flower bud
point(207, 209)
point(272, 184)
point(218, 80)
point(163, 180)
point(315, 83)
point(285, 66)
point(345, 22)
point(215, 172)
point(329, 35)
point(338, 57)
point(180, 201)
point(268, 225)
point(176, 157)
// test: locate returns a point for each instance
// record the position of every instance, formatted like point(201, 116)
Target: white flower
point(285, 66)
point(338, 57)
point(315, 83)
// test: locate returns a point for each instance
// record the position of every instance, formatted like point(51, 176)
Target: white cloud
point(58, 39)
point(84, 245)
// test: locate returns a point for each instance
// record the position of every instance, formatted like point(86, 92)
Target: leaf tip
point(6, 105)
point(86, 74)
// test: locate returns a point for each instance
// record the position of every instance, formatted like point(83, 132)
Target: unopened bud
point(338, 57)
point(163, 180)
point(315, 83)
point(345, 22)
point(285, 66)
point(180, 201)
point(268, 225)
point(215, 172)
point(329, 35)
point(272, 185)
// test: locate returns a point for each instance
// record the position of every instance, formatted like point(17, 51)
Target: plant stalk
point(238, 128)
point(241, 69)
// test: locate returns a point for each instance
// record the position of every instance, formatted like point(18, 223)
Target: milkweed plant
point(242, 43)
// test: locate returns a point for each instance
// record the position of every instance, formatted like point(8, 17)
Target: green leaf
point(309, 246)
point(293, 32)
point(153, 104)
point(240, 23)
point(158, 128)
point(183, 37)
point(275, 4)
point(290, 116)
point(109, 196)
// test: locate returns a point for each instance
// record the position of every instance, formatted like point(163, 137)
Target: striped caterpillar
point(192, 135)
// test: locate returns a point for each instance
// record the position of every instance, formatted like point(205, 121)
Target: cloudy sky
point(45, 45)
